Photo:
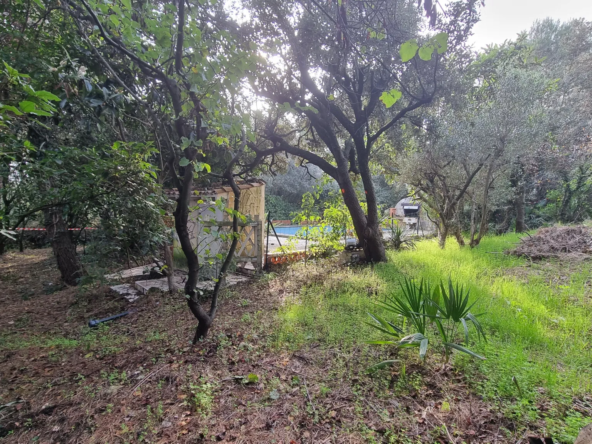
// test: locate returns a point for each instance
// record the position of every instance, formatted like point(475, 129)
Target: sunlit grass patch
point(538, 318)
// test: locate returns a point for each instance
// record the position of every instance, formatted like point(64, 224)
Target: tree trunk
point(458, 235)
point(181, 215)
point(483, 225)
point(519, 207)
point(20, 242)
point(367, 227)
point(168, 259)
point(442, 235)
point(64, 249)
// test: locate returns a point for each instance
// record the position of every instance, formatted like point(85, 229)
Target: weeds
point(202, 397)
point(538, 322)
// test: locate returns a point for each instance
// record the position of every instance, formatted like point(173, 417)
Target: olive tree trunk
point(64, 249)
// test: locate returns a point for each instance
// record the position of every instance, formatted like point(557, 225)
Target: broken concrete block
point(132, 272)
point(128, 291)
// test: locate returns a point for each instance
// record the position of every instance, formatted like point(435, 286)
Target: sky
point(503, 19)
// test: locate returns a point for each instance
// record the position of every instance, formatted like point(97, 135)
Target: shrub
point(440, 313)
point(397, 242)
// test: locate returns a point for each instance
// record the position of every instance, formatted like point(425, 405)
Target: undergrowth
point(538, 321)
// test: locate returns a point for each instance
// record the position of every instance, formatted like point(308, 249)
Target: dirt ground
point(139, 380)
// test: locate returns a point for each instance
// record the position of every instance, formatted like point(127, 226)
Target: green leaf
point(27, 106)
point(423, 348)
point(14, 109)
point(184, 161)
point(425, 52)
point(389, 98)
point(252, 378)
point(382, 365)
point(46, 95)
point(387, 327)
point(39, 112)
point(408, 50)
point(331, 97)
point(464, 350)
point(113, 18)
point(464, 323)
point(441, 42)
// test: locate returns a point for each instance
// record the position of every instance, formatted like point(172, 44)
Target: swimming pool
point(290, 230)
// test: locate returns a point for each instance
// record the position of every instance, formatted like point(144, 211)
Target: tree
point(337, 90)
point(473, 149)
point(182, 64)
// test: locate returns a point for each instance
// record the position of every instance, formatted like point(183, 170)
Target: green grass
point(538, 318)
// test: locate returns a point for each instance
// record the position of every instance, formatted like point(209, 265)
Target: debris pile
point(557, 242)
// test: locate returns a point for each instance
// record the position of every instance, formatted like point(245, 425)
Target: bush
point(440, 313)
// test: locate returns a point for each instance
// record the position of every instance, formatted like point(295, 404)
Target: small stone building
point(209, 222)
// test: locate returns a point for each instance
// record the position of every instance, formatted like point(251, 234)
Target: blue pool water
point(293, 229)
point(289, 231)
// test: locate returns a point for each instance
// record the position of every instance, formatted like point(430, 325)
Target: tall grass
point(538, 318)
point(540, 323)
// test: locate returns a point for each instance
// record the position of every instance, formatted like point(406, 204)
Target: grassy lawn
point(537, 316)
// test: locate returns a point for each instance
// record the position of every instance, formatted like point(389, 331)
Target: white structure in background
point(407, 210)
point(207, 220)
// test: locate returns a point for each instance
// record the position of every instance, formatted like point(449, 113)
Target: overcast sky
point(503, 19)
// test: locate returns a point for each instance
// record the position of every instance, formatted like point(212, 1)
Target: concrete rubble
point(141, 285)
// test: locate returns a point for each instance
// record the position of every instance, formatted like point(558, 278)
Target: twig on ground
point(151, 374)
point(308, 395)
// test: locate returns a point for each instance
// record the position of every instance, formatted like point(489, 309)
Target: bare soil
point(139, 380)
point(565, 243)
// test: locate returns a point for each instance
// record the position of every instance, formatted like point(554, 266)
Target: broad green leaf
point(46, 95)
point(389, 98)
point(408, 50)
point(184, 161)
point(27, 106)
point(331, 97)
point(14, 109)
point(39, 112)
point(113, 18)
point(441, 42)
point(425, 52)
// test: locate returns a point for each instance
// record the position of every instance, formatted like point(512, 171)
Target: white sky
point(503, 19)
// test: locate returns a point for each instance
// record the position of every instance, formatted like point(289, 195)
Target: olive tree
point(339, 79)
